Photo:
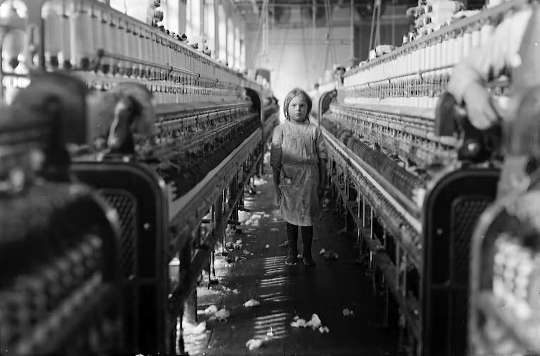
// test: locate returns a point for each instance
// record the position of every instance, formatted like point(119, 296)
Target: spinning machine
point(165, 140)
point(413, 176)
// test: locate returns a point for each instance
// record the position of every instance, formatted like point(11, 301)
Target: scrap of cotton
point(236, 291)
point(246, 252)
point(211, 309)
point(254, 344)
point(259, 181)
point(315, 322)
point(252, 303)
point(299, 323)
point(195, 330)
point(243, 216)
point(322, 251)
point(324, 329)
point(267, 246)
point(330, 255)
point(222, 314)
point(347, 312)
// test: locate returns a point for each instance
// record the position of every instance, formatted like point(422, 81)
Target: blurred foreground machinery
point(60, 290)
point(505, 276)
point(413, 176)
point(171, 139)
point(504, 316)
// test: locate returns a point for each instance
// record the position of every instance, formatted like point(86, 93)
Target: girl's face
point(297, 109)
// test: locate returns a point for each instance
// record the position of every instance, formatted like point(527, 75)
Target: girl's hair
point(293, 94)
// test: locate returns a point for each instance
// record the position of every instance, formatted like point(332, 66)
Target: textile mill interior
point(147, 205)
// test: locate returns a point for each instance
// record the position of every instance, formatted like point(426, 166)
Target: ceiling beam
point(248, 3)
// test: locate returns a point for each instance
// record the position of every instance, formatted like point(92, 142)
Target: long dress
point(297, 149)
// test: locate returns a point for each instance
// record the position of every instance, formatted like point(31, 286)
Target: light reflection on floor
point(272, 290)
point(274, 281)
point(276, 324)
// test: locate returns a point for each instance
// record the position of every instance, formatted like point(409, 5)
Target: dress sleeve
point(490, 60)
point(321, 145)
point(275, 151)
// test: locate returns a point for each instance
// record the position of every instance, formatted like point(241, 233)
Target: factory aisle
point(257, 271)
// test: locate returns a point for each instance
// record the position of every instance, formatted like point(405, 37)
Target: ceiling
point(279, 10)
point(251, 9)
point(257, 4)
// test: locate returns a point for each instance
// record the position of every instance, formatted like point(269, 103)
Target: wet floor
point(285, 292)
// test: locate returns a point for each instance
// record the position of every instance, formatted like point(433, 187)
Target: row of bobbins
point(433, 57)
point(91, 37)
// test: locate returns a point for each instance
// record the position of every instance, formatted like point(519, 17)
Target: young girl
point(298, 159)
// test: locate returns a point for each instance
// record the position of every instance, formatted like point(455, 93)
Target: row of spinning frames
point(415, 179)
point(102, 189)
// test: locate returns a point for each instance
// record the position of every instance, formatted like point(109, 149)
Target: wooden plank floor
point(287, 291)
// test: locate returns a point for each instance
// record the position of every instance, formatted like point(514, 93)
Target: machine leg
point(211, 269)
point(233, 191)
point(190, 305)
point(236, 219)
point(371, 236)
point(190, 308)
point(173, 335)
point(261, 164)
point(386, 305)
point(179, 342)
point(359, 240)
point(185, 265)
point(213, 263)
point(218, 227)
point(241, 206)
point(405, 267)
point(363, 212)
point(349, 221)
point(223, 236)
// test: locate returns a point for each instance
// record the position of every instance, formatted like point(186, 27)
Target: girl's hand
point(278, 191)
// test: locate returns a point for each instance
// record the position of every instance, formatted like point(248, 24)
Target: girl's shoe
point(291, 260)
point(308, 261)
